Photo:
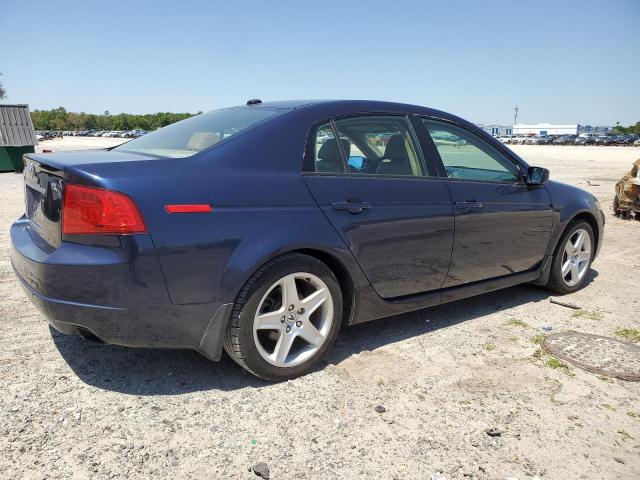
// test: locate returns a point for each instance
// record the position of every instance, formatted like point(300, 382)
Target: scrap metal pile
point(627, 199)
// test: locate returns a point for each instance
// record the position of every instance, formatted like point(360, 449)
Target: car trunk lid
point(44, 186)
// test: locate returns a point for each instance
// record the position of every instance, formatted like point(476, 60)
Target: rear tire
point(572, 259)
point(286, 318)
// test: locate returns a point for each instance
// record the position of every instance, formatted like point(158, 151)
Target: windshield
point(190, 136)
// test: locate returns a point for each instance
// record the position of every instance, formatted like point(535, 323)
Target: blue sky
point(559, 61)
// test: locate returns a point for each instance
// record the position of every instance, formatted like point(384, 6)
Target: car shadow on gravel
point(149, 371)
point(146, 371)
point(384, 331)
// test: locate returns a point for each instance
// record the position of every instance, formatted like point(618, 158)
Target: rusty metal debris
point(627, 199)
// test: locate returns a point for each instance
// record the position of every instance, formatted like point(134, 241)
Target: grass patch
point(633, 414)
point(625, 435)
point(590, 314)
point(538, 338)
point(557, 364)
point(488, 347)
point(631, 334)
point(516, 322)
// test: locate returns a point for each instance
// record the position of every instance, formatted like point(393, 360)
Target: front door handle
point(470, 205)
point(354, 207)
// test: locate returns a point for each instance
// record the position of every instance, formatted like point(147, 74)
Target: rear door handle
point(470, 205)
point(351, 206)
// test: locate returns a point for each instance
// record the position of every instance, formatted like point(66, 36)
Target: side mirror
point(537, 175)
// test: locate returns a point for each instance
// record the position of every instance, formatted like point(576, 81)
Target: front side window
point(468, 157)
point(190, 136)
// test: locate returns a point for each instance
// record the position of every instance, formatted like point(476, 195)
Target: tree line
point(630, 129)
point(60, 119)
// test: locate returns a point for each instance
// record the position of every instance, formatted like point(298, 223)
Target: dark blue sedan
point(264, 229)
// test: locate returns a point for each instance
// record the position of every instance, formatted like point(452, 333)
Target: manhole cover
point(597, 354)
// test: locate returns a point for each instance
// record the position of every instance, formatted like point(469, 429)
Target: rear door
point(503, 226)
point(387, 204)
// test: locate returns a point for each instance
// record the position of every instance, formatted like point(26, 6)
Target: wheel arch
point(590, 219)
point(335, 264)
point(344, 279)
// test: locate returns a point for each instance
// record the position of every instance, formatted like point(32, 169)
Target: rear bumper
point(116, 295)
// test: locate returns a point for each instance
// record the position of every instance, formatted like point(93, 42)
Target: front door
point(374, 188)
point(502, 225)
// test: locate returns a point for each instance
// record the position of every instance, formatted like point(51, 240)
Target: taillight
point(89, 210)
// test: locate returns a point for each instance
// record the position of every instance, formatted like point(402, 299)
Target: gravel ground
point(445, 376)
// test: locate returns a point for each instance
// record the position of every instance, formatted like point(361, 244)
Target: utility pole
point(515, 115)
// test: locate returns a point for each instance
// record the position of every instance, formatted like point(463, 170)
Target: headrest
point(395, 147)
point(329, 149)
point(201, 140)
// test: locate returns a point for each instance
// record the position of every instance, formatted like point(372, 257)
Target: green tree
point(60, 119)
point(3, 92)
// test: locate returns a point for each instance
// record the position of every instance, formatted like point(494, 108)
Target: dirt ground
point(73, 409)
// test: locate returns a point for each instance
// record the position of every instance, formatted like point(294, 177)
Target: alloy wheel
point(293, 319)
point(576, 257)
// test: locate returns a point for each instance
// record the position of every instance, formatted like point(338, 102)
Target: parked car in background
point(627, 139)
point(565, 140)
point(636, 143)
point(266, 242)
point(604, 140)
point(542, 140)
point(584, 141)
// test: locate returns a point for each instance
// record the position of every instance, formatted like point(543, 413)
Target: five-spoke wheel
point(572, 259)
point(293, 319)
point(286, 317)
point(576, 257)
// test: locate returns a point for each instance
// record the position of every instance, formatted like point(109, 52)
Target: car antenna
point(254, 101)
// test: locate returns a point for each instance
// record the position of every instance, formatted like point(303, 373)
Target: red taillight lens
point(89, 210)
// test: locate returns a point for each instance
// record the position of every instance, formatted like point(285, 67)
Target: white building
point(496, 130)
point(544, 129)
point(555, 129)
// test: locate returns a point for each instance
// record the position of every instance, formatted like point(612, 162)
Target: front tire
point(572, 259)
point(286, 318)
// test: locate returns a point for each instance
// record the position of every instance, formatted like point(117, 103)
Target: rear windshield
point(190, 136)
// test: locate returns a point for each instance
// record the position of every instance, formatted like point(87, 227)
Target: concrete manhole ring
point(597, 354)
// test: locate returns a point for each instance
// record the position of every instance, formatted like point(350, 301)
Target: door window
point(327, 153)
point(379, 145)
point(468, 157)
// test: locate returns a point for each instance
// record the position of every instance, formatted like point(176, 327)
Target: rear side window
point(378, 145)
point(328, 158)
point(468, 157)
point(190, 136)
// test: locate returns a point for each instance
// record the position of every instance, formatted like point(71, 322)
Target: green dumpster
point(16, 136)
point(11, 158)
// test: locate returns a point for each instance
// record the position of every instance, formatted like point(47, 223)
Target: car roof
point(326, 108)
